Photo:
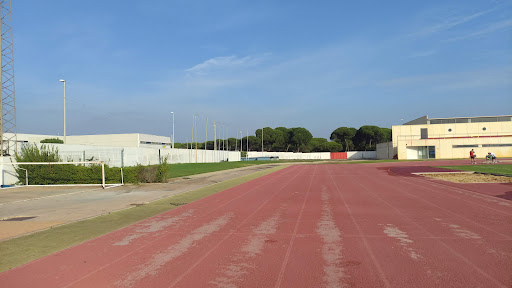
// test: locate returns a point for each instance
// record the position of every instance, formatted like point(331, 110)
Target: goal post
point(84, 171)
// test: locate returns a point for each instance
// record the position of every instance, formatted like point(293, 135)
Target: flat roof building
point(448, 138)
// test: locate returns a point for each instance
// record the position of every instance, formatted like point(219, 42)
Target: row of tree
point(282, 139)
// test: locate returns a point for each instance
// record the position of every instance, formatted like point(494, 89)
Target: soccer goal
point(82, 173)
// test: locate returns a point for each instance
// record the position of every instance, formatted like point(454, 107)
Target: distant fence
point(132, 156)
point(352, 155)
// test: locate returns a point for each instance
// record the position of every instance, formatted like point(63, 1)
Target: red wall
point(338, 155)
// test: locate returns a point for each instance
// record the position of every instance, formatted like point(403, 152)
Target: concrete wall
point(455, 140)
point(359, 155)
point(7, 172)
point(386, 150)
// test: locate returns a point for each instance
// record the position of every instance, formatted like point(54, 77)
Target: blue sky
point(248, 64)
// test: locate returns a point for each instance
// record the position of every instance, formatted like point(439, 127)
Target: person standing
point(472, 155)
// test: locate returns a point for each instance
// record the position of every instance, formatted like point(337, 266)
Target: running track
point(369, 225)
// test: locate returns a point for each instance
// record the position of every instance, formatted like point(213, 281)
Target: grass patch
point(21, 250)
point(491, 169)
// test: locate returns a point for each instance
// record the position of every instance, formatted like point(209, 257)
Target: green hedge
point(80, 174)
point(52, 140)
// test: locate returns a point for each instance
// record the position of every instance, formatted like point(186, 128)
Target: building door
point(421, 152)
point(431, 152)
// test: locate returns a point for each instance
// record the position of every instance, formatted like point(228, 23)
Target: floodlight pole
point(64, 81)
point(261, 139)
point(172, 142)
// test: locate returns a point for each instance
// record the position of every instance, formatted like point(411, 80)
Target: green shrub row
point(80, 174)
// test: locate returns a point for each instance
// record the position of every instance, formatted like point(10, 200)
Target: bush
point(52, 140)
point(78, 174)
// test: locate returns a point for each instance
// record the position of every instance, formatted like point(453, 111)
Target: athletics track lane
point(304, 226)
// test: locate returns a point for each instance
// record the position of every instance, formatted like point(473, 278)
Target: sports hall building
point(449, 138)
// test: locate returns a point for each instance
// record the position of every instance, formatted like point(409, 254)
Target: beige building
point(449, 138)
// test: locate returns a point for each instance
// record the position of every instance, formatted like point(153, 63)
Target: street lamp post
point(64, 81)
point(261, 139)
point(172, 140)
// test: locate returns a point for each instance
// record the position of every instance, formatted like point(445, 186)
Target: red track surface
point(305, 226)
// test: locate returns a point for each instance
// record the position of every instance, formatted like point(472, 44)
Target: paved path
point(53, 206)
point(303, 226)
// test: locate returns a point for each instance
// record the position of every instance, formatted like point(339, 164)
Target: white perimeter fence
point(131, 156)
point(352, 155)
point(124, 157)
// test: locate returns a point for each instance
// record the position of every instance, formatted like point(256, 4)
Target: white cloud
point(227, 63)
point(450, 23)
point(489, 29)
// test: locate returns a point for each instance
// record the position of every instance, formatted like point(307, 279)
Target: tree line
point(299, 139)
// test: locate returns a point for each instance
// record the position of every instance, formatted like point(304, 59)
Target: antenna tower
point(7, 107)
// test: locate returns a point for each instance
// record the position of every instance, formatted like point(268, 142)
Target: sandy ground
point(469, 177)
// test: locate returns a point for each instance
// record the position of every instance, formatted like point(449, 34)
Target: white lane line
point(294, 235)
point(381, 273)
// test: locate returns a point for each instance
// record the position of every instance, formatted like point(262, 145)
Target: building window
point(496, 145)
point(424, 133)
point(465, 146)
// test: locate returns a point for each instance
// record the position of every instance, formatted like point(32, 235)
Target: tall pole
point(192, 138)
point(205, 140)
point(247, 131)
point(214, 136)
point(261, 139)
point(241, 141)
point(64, 81)
point(172, 140)
point(195, 127)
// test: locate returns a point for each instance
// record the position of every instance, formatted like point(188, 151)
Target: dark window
point(424, 133)
point(465, 146)
point(496, 145)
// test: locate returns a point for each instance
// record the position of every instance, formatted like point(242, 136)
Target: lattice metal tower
point(8, 109)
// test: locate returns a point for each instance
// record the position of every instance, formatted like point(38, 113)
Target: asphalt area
point(28, 209)
point(367, 225)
